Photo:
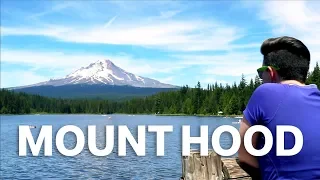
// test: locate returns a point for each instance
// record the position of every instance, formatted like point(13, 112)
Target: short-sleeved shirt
point(274, 104)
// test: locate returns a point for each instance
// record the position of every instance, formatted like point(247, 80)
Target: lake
point(87, 166)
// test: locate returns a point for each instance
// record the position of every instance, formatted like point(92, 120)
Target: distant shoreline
point(196, 115)
point(199, 115)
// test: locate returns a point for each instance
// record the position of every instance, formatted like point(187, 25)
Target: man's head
point(286, 58)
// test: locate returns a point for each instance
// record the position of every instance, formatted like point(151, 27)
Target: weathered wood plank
point(197, 167)
point(234, 169)
point(211, 167)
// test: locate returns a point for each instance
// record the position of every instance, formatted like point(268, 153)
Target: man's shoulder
point(270, 88)
point(275, 88)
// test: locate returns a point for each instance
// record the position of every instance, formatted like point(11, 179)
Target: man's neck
point(292, 82)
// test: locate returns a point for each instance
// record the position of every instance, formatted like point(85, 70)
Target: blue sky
point(176, 42)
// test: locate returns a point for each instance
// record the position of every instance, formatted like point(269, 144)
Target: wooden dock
point(211, 167)
point(235, 172)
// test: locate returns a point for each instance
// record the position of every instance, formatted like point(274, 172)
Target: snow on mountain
point(105, 72)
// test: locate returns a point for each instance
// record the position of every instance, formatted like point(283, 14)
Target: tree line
point(207, 100)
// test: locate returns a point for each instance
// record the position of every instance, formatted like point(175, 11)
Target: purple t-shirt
point(281, 104)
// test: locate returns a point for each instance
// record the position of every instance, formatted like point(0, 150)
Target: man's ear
point(272, 73)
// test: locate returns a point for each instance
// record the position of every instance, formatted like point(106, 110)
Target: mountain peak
point(105, 72)
point(105, 61)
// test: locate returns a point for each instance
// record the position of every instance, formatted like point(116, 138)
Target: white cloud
point(44, 31)
point(66, 63)
point(60, 64)
point(232, 70)
point(57, 60)
point(169, 14)
point(167, 80)
point(211, 80)
point(20, 78)
point(231, 64)
point(53, 9)
point(300, 19)
point(134, 7)
point(110, 22)
point(297, 16)
point(221, 59)
point(182, 35)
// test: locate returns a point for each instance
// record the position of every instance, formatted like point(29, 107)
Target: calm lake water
point(87, 166)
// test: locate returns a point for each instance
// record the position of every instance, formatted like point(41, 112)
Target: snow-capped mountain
point(104, 72)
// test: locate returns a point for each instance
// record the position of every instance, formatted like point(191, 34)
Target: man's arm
point(243, 155)
point(261, 106)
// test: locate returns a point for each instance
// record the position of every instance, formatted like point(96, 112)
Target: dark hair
point(288, 54)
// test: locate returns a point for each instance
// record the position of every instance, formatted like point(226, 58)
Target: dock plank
point(234, 169)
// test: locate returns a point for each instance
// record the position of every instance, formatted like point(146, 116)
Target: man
point(284, 99)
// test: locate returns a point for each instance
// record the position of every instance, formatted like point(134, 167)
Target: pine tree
point(243, 83)
point(257, 82)
point(316, 75)
point(251, 85)
point(197, 98)
point(157, 105)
